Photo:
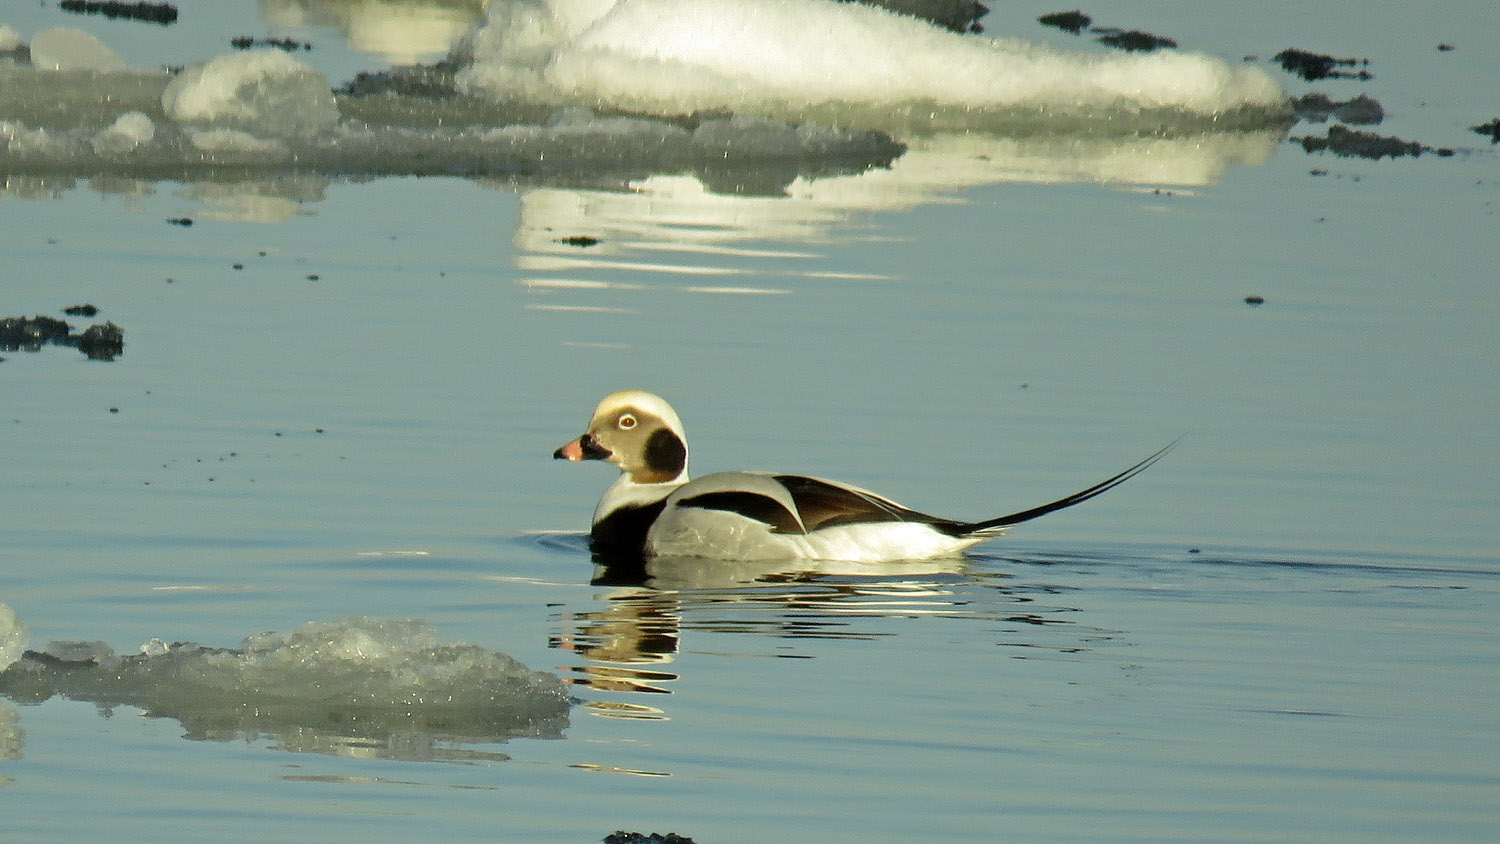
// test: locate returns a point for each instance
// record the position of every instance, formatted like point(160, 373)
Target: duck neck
point(626, 493)
point(625, 515)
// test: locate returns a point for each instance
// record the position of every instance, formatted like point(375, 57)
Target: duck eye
point(626, 421)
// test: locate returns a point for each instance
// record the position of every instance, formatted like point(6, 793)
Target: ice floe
point(748, 95)
point(265, 92)
point(353, 686)
point(61, 48)
point(846, 61)
point(12, 637)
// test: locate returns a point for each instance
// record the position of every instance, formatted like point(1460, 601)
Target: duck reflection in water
point(630, 641)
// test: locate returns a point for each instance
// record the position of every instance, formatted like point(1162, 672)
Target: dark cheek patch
point(666, 456)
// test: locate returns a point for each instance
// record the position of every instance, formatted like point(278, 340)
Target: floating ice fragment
point(582, 121)
point(735, 92)
point(748, 134)
point(234, 142)
point(779, 56)
point(129, 131)
point(20, 138)
point(354, 686)
point(264, 92)
point(12, 637)
point(72, 49)
point(401, 33)
point(90, 652)
point(11, 44)
point(518, 38)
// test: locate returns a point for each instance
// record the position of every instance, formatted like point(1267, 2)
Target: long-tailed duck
point(653, 509)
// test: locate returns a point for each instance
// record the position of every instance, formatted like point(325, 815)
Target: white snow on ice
point(677, 56)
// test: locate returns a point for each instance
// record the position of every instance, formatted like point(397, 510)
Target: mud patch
point(1135, 41)
point(1352, 143)
point(1314, 66)
point(1359, 111)
point(1074, 21)
point(1490, 130)
point(162, 13)
point(286, 45)
point(1130, 40)
point(103, 341)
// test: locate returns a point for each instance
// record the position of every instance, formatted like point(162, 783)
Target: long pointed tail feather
point(999, 523)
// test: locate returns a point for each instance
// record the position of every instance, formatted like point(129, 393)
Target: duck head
point(638, 432)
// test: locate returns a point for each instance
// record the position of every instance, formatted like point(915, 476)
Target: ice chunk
point(18, 138)
point(232, 142)
point(735, 92)
point(351, 686)
point(91, 652)
point(781, 57)
point(12, 48)
point(129, 131)
point(12, 637)
point(263, 92)
point(404, 33)
point(72, 49)
point(511, 50)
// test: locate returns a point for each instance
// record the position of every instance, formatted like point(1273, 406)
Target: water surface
point(339, 398)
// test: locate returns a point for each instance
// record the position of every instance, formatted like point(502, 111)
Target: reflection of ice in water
point(353, 687)
point(12, 645)
point(682, 210)
point(259, 202)
point(12, 737)
point(676, 225)
point(402, 33)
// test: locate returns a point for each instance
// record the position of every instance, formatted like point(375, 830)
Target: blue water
point(1282, 632)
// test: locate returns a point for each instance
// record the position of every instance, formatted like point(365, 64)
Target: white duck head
point(638, 432)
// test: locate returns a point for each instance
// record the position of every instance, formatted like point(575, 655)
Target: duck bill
point(572, 452)
point(583, 448)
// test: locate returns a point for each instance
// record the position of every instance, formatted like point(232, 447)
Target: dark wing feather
point(762, 508)
point(823, 504)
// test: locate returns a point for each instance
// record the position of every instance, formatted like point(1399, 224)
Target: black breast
point(622, 534)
